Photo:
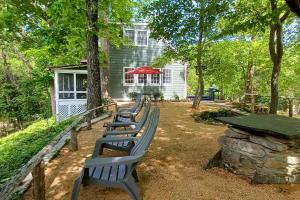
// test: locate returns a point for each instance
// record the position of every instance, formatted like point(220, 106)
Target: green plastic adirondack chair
point(118, 172)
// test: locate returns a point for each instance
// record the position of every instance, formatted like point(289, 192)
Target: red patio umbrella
point(144, 70)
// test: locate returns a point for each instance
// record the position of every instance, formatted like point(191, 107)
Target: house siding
point(133, 56)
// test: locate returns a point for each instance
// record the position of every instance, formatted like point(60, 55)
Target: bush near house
point(18, 148)
point(210, 116)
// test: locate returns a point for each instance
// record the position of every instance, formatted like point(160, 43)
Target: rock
point(242, 146)
point(239, 131)
point(294, 179)
point(275, 164)
point(264, 159)
point(226, 141)
point(276, 146)
point(247, 166)
point(289, 157)
point(230, 156)
point(268, 178)
point(231, 133)
point(251, 148)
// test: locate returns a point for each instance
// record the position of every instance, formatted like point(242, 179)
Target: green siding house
point(70, 81)
point(170, 83)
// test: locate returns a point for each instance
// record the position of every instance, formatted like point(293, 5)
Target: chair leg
point(98, 150)
point(85, 176)
point(135, 176)
point(132, 189)
point(76, 186)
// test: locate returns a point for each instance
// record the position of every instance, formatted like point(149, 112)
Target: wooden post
point(116, 107)
point(89, 120)
point(38, 175)
point(74, 141)
point(290, 107)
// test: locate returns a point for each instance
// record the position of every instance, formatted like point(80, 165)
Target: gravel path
point(172, 169)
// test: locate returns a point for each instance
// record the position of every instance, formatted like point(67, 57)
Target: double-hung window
point(128, 79)
point(129, 34)
point(137, 37)
point(166, 76)
point(72, 86)
point(142, 79)
point(155, 79)
point(141, 38)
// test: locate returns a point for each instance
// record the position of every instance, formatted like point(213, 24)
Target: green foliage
point(18, 148)
point(176, 97)
point(210, 116)
point(133, 95)
point(162, 98)
point(37, 34)
point(29, 100)
point(157, 95)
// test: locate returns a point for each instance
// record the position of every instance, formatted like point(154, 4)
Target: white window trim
point(134, 77)
point(75, 92)
point(129, 29)
point(155, 84)
point(141, 84)
point(167, 84)
point(135, 36)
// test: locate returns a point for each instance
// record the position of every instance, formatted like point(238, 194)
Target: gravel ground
point(172, 168)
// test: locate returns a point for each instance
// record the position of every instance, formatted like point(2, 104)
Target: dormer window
point(129, 35)
point(137, 37)
point(142, 38)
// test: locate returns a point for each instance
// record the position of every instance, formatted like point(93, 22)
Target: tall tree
point(252, 15)
point(94, 98)
point(276, 51)
point(186, 23)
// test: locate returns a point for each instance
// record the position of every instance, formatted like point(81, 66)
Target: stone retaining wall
point(262, 158)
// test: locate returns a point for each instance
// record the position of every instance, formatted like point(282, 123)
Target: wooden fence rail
point(291, 101)
point(36, 164)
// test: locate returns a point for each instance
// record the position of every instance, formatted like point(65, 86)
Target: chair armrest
point(119, 132)
point(125, 114)
point(109, 161)
point(116, 139)
point(100, 142)
point(124, 109)
point(120, 124)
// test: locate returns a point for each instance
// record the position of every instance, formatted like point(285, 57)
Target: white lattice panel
point(69, 108)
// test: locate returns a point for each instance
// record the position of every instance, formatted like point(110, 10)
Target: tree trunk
point(94, 81)
point(276, 53)
point(199, 67)
point(8, 74)
point(250, 75)
point(105, 49)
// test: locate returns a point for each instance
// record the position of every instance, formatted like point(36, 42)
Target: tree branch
point(284, 16)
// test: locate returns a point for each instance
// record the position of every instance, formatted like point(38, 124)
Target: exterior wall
point(67, 107)
point(136, 56)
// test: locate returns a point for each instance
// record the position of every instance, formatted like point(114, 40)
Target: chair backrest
point(144, 142)
point(138, 105)
point(137, 102)
point(143, 119)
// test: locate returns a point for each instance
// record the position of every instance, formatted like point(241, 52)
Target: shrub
point(156, 96)
point(133, 95)
point(176, 97)
point(210, 116)
point(18, 148)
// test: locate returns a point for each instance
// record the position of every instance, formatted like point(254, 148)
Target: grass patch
point(210, 116)
point(17, 149)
